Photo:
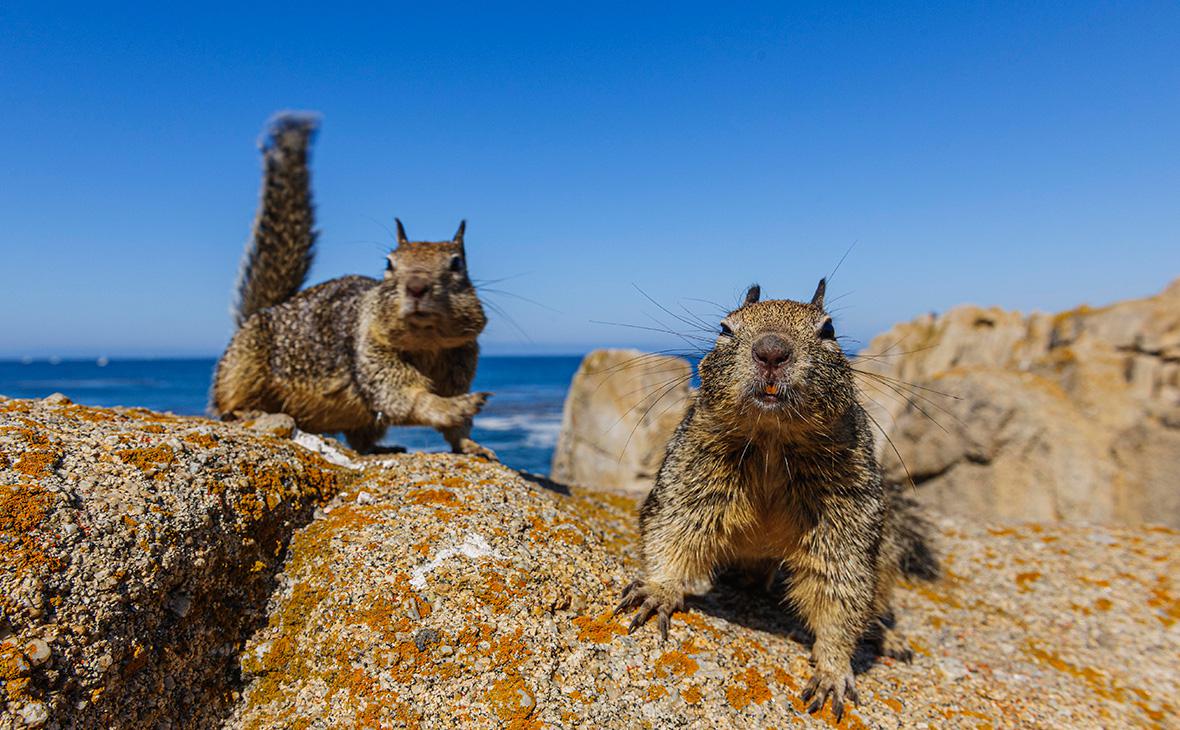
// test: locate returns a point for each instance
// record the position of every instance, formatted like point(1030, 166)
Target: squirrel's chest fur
point(776, 502)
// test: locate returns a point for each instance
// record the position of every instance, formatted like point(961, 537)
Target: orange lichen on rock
point(656, 691)
point(514, 703)
point(203, 440)
point(148, 457)
point(37, 464)
point(601, 629)
point(697, 622)
point(753, 689)
point(676, 662)
point(433, 496)
point(1098, 681)
point(23, 509)
point(1024, 580)
point(691, 694)
point(1162, 599)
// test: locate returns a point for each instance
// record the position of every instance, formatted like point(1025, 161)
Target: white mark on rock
point(473, 546)
point(331, 454)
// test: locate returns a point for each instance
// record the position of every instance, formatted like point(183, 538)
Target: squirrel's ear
point(753, 294)
point(401, 231)
point(459, 233)
point(817, 299)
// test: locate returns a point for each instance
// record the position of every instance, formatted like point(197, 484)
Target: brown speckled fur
point(786, 479)
point(353, 354)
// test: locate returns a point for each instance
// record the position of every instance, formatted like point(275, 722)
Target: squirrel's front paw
point(466, 406)
point(651, 598)
point(834, 684)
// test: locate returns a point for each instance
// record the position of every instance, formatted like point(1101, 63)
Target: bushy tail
point(914, 534)
point(280, 253)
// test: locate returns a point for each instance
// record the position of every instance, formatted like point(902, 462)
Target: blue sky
point(1024, 155)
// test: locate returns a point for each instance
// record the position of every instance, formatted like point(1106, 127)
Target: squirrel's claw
point(824, 685)
point(651, 599)
point(630, 597)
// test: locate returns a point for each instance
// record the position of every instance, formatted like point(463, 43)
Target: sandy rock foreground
point(160, 571)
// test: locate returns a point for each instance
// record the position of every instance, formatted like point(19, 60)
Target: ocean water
point(520, 422)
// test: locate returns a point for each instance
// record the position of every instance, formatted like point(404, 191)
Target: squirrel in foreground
point(353, 354)
point(773, 466)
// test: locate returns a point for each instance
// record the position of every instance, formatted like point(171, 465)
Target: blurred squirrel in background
point(353, 354)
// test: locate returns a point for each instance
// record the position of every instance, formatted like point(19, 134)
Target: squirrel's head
point(427, 283)
point(778, 359)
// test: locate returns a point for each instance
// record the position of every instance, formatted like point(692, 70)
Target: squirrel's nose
point(417, 288)
point(771, 351)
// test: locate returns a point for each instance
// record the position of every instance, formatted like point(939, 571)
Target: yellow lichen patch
point(384, 617)
point(1163, 600)
point(656, 691)
point(514, 703)
point(753, 689)
point(1096, 680)
point(892, 703)
point(149, 457)
point(495, 593)
point(90, 413)
point(601, 629)
point(784, 678)
point(23, 508)
point(37, 464)
point(1103, 604)
point(676, 662)
point(691, 694)
point(203, 440)
point(1024, 580)
point(697, 622)
point(433, 496)
point(13, 665)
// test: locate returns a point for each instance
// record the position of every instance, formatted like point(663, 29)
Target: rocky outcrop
point(621, 409)
point(1074, 416)
point(137, 551)
point(443, 591)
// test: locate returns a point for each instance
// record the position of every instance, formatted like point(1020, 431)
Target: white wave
point(540, 431)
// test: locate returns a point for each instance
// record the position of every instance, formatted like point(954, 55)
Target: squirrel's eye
point(827, 331)
point(725, 330)
point(456, 263)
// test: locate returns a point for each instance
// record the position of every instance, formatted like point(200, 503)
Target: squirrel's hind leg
point(364, 441)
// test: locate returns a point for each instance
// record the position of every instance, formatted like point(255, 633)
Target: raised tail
point(281, 250)
point(914, 536)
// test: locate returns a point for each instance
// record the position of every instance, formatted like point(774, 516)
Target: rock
point(103, 527)
point(276, 424)
point(34, 714)
point(488, 646)
point(37, 651)
point(461, 593)
point(621, 409)
point(1074, 416)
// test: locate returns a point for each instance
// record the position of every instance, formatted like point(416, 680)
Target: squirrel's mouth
point(421, 318)
point(769, 395)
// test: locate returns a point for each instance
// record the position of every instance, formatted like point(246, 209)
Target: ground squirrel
point(773, 467)
point(353, 354)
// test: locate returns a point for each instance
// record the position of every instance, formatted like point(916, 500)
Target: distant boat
point(102, 362)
